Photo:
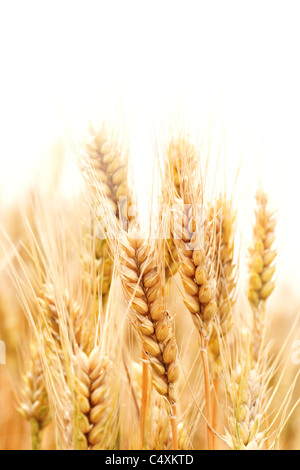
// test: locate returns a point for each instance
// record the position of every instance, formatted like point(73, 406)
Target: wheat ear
point(94, 423)
point(106, 170)
point(197, 272)
point(180, 162)
point(141, 277)
point(262, 271)
point(246, 390)
point(33, 399)
point(222, 218)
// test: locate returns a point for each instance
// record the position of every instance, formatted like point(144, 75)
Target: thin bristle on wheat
point(141, 279)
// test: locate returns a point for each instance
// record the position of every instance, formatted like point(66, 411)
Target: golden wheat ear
point(222, 218)
point(95, 427)
point(105, 167)
point(195, 242)
point(141, 278)
point(262, 269)
point(180, 163)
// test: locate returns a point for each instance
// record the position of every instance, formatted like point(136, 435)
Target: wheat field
point(122, 337)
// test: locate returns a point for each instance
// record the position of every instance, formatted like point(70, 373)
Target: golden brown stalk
point(95, 427)
point(262, 256)
point(33, 400)
point(141, 277)
point(159, 432)
point(214, 412)
point(144, 398)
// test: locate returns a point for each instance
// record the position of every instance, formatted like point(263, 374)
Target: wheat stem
point(215, 407)
point(145, 387)
point(35, 434)
point(204, 358)
point(174, 425)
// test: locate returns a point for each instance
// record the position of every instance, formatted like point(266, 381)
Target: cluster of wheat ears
point(105, 361)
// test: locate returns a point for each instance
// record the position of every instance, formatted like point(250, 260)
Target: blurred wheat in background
point(149, 254)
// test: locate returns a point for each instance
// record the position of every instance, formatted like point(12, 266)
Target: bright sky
point(64, 62)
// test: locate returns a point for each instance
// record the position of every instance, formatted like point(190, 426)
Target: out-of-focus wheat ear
point(105, 167)
point(262, 269)
point(33, 398)
point(222, 218)
point(82, 401)
point(103, 414)
point(246, 389)
point(49, 309)
point(180, 164)
point(98, 265)
point(141, 278)
point(95, 415)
